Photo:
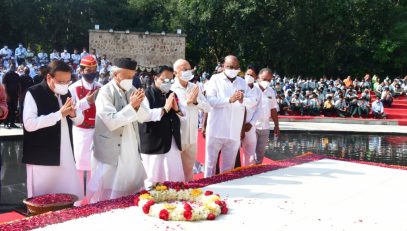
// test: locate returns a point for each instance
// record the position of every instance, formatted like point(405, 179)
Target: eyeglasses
point(62, 82)
point(166, 80)
point(231, 67)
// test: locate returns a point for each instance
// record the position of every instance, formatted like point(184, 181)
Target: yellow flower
point(145, 196)
point(196, 192)
point(212, 198)
point(210, 207)
point(169, 206)
point(161, 188)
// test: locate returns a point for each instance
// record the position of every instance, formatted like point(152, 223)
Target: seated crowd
point(343, 98)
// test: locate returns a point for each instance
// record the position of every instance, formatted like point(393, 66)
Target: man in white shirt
point(252, 114)
point(76, 58)
point(55, 55)
point(65, 56)
point(42, 57)
point(191, 101)
point(84, 52)
point(225, 94)
point(268, 108)
point(6, 54)
point(378, 109)
point(20, 54)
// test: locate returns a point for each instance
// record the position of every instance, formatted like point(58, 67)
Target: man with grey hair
point(191, 100)
point(117, 169)
point(226, 95)
point(268, 108)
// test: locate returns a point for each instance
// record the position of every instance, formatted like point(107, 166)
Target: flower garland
point(196, 205)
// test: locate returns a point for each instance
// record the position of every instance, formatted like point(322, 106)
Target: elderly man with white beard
point(191, 100)
point(226, 95)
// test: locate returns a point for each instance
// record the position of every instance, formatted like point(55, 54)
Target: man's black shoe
point(14, 126)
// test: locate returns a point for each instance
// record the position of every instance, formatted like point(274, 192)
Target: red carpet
point(10, 216)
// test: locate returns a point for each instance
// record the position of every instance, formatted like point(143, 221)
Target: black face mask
point(90, 77)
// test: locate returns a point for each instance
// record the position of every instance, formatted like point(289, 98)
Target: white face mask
point(187, 75)
point(264, 84)
point(126, 84)
point(165, 87)
point(249, 79)
point(231, 73)
point(61, 89)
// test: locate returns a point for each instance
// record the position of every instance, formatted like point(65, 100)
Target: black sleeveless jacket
point(42, 147)
point(156, 137)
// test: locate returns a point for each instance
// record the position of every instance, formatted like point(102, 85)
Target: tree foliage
point(293, 37)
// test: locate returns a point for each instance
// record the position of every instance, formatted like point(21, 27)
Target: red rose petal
point(164, 215)
point(211, 216)
point(208, 193)
point(187, 215)
point(187, 207)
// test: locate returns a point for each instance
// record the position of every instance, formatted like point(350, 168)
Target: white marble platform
point(321, 195)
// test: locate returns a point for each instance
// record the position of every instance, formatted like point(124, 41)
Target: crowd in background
point(348, 97)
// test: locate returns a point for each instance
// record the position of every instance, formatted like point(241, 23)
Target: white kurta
point(162, 167)
point(127, 177)
point(249, 142)
point(189, 126)
point(52, 179)
point(82, 137)
point(225, 121)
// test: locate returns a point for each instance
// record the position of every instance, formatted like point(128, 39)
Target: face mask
point(126, 84)
point(264, 84)
point(20, 46)
point(90, 77)
point(249, 79)
point(202, 79)
point(187, 75)
point(61, 89)
point(231, 73)
point(165, 87)
point(65, 51)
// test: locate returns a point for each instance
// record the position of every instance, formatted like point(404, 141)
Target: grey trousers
point(262, 142)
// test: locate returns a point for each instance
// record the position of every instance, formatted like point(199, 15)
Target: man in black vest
point(160, 138)
point(47, 142)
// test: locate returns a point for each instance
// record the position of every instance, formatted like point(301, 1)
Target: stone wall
point(149, 50)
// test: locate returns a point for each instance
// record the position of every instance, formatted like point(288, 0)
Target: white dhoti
point(188, 156)
point(249, 147)
point(82, 144)
point(227, 147)
point(125, 178)
point(163, 167)
point(56, 179)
